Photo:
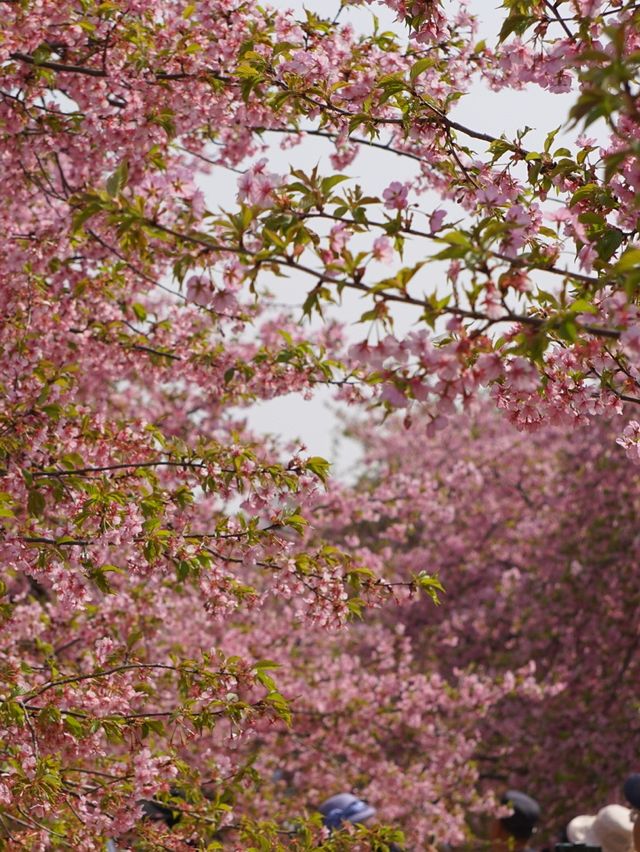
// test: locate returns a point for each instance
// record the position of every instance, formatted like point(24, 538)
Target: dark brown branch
point(76, 542)
point(558, 17)
point(405, 299)
point(106, 673)
point(78, 471)
point(327, 135)
point(140, 348)
point(102, 72)
point(57, 66)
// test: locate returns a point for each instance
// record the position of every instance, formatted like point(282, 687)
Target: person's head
point(153, 811)
point(631, 790)
point(515, 829)
point(158, 812)
point(611, 829)
point(345, 807)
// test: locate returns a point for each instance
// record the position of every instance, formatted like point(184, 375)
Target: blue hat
point(631, 790)
point(345, 807)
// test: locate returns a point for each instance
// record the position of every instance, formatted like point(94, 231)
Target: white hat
point(611, 829)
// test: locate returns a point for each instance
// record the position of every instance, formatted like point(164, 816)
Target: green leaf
point(430, 584)
point(499, 147)
point(456, 238)
point(583, 306)
point(327, 184)
point(36, 503)
point(84, 214)
point(155, 726)
point(567, 329)
point(516, 24)
point(74, 726)
point(113, 569)
point(550, 139)
point(319, 466)
point(276, 239)
point(609, 243)
point(101, 582)
point(586, 191)
point(139, 310)
point(266, 680)
point(418, 67)
point(183, 569)
point(298, 522)
point(118, 179)
point(612, 161)
point(629, 260)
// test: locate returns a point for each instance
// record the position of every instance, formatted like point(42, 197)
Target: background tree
point(524, 676)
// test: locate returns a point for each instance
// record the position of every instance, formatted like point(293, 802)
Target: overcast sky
point(314, 421)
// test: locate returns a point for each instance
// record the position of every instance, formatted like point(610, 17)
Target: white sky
point(314, 421)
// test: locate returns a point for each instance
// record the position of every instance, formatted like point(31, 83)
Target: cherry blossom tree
point(534, 538)
point(138, 512)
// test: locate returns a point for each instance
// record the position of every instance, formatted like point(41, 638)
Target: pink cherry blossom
point(436, 220)
point(383, 249)
point(396, 195)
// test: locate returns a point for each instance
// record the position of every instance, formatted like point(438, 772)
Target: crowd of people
point(614, 828)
